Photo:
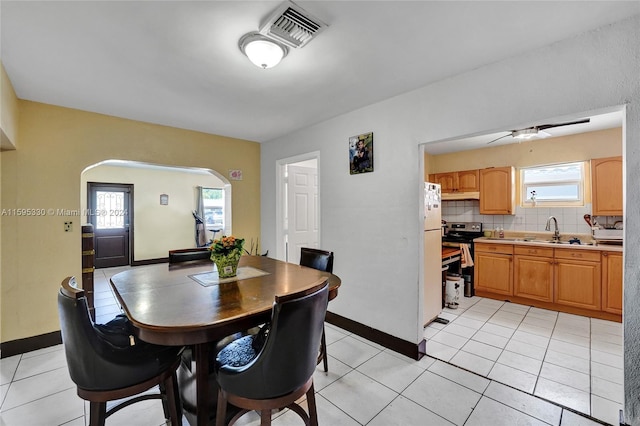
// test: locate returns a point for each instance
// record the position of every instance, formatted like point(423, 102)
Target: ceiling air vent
point(292, 25)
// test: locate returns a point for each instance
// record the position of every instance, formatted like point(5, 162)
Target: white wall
point(371, 221)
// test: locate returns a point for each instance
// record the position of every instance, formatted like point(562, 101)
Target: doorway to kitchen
point(109, 211)
point(298, 205)
point(569, 359)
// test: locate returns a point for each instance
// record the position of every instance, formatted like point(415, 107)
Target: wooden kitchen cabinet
point(577, 278)
point(493, 270)
point(462, 181)
point(612, 282)
point(497, 190)
point(606, 186)
point(469, 181)
point(533, 273)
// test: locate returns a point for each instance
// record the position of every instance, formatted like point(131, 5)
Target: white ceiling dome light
point(289, 26)
point(262, 51)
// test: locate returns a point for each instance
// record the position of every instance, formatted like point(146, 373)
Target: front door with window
point(109, 211)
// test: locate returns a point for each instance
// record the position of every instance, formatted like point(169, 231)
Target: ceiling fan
point(537, 131)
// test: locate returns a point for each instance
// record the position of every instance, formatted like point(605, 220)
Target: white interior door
point(302, 210)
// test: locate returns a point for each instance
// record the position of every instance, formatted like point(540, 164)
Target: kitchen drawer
point(533, 251)
point(590, 255)
point(494, 248)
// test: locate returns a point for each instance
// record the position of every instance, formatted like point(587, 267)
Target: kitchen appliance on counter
point(432, 252)
point(608, 236)
point(463, 233)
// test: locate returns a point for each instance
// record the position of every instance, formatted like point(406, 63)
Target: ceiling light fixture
point(525, 133)
point(262, 51)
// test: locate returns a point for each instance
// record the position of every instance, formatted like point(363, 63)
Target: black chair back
point(97, 363)
point(199, 254)
point(321, 260)
point(288, 357)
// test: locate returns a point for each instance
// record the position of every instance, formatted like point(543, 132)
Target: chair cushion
point(118, 332)
point(237, 353)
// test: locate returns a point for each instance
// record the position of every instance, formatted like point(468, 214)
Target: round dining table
point(186, 304)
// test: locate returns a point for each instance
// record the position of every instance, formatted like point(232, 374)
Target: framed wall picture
point(361, 153)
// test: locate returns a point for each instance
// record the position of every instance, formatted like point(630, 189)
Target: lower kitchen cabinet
point(533, 273)
point(494, 268)
point(612, 282)
point(578, 279)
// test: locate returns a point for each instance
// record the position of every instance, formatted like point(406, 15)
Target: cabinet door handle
point(604, 253)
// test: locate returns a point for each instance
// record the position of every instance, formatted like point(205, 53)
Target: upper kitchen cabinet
point(606, 186)
point(462, 181)
point(497, 190)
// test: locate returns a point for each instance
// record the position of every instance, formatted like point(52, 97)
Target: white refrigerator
point(432, 252)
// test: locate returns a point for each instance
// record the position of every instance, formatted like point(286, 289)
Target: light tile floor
point(370, 385)
point(570, 360)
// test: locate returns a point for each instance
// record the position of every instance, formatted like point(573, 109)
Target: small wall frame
point(361, 153)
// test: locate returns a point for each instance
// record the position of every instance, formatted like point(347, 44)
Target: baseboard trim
point(404, 347)
point(412, 350)
point(28, 344)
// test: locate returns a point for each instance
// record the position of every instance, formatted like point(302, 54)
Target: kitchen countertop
point(541, 243)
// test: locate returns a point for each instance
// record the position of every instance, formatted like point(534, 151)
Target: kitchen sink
point(530, 240)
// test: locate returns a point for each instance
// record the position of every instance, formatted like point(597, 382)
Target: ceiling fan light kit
point(525, 133)
point(537, 131)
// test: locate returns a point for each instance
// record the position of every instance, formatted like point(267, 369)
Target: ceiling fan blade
point(497, 139)
point(568, 123)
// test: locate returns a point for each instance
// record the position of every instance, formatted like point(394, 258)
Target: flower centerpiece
point(225, 253)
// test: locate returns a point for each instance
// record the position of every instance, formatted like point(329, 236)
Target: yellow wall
point(8, 112)
point(156, 228)
point(580, 147)
point(8, 139)
point(56, 145)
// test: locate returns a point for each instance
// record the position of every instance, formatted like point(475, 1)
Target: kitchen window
point(553, 185)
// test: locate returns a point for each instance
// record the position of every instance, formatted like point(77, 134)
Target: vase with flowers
point(225, 253)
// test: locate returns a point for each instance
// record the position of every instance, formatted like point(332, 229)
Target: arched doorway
point(161, 205)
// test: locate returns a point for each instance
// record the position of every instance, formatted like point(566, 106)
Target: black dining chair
point(184, 257)
point(321, 260)
point(273, 369)
point(105, 366)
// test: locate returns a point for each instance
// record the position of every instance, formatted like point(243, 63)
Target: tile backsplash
point(532, 219)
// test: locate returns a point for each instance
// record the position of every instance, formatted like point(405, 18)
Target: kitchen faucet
point(556, 233)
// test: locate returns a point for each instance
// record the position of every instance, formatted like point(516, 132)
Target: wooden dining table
point(184, 304)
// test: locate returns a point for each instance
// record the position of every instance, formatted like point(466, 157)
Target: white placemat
point(211, 278)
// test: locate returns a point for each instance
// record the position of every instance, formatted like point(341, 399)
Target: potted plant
point(225, 253)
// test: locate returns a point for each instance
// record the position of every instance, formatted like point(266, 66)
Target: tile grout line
point(553, 329)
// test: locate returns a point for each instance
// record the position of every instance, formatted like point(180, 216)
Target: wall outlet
point(68, 226)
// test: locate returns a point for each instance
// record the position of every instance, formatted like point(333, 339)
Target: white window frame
point(525, 196)
point(214, 206)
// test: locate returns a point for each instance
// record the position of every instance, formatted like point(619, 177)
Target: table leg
point(202, 383)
